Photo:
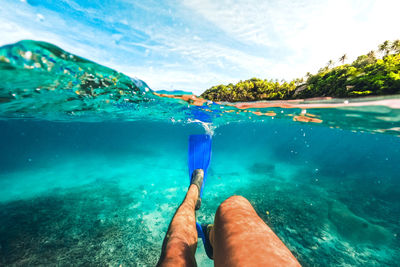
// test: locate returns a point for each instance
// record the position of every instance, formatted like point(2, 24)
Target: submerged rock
point(355, 228)
point(262, 168)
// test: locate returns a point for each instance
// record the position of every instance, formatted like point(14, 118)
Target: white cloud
point(202, 55)
point(39, 17)
point(306, 33)
point(245, 20)
point(164, 78)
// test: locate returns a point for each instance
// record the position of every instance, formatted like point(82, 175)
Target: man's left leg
point(180, 242)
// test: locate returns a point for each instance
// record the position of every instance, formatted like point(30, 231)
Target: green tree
point(384, 48)
point(371, 54)
point(367, 75)
point(395, 47)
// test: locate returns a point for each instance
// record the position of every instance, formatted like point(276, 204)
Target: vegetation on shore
point(376, 73)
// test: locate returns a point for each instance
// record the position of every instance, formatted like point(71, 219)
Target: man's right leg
point(240, 237)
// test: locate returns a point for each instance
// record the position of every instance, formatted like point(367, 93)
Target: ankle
point(197, 178)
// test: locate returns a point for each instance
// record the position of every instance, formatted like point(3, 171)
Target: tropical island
point(376, 73)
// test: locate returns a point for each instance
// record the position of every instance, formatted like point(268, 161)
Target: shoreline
point(392, 101)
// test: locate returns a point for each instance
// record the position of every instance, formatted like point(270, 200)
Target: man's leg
point(180, 242)
point(240, 237)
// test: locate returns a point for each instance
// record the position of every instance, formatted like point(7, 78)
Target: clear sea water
point(93, 167)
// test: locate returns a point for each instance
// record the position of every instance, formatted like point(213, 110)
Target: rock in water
point(355, 228)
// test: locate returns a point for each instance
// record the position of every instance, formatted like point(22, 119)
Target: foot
point(197, 179)
point(206, 228)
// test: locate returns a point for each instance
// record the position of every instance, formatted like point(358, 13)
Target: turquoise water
point(94, 177)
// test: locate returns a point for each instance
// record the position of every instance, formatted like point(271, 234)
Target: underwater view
point(93, 165)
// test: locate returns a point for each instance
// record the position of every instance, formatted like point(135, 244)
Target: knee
point(233, 203)
point(234, 200)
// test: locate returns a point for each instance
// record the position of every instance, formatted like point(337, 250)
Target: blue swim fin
point(199, 155)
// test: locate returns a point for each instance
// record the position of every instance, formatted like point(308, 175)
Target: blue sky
point(193, 44)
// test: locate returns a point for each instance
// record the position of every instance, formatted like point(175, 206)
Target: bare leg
point(241, 238)
point(180, 242)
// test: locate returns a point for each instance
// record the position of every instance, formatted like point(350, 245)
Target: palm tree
point(371, 54)
point(384, 47)
point(343, 58)
point(395, 47)
point(329, 64)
